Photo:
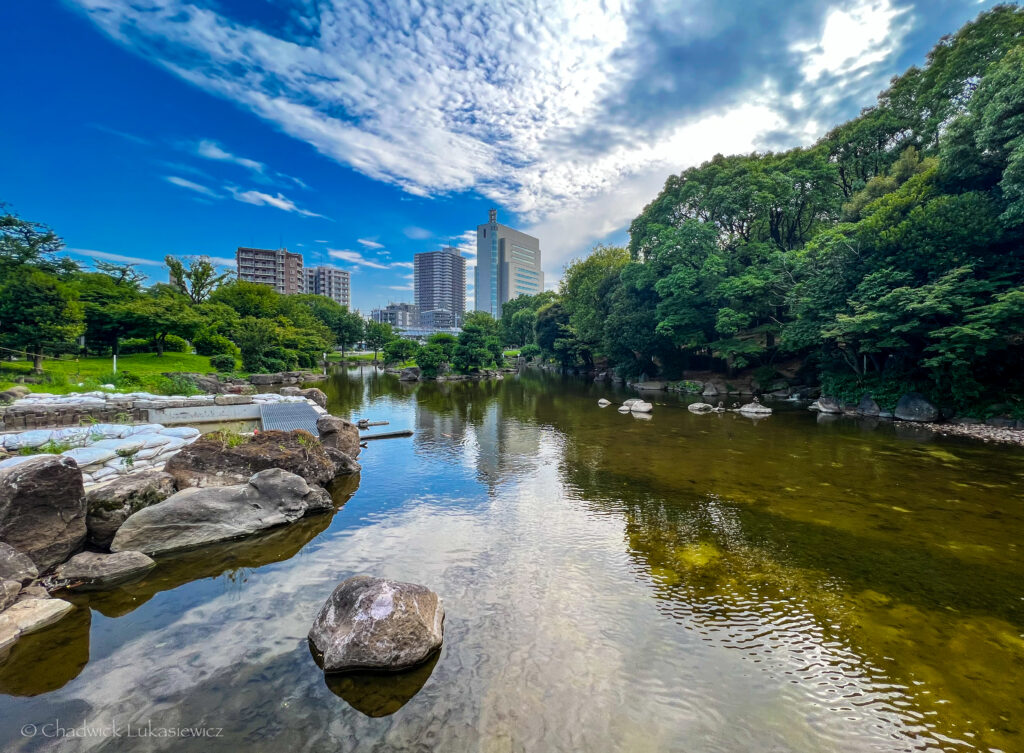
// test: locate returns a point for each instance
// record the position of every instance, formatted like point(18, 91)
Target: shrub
point(135, 345)
point(173, 344)
point(529, 351)
point(400, 351)
point(210, 344)
point(222, 362)
point(176, 385)
point(430, 359)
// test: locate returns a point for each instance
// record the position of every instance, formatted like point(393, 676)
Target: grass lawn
point(135, 373)
point(351, 356)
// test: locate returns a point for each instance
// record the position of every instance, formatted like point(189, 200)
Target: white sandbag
point(184, 432)
point(89, 455)
point(145, 429)
point(129, 444)
point(31, 439)
point(152, 440)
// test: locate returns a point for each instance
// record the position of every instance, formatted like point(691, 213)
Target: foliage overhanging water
point(707, 583)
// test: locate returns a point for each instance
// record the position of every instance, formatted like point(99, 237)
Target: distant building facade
point(440, 288)
point(334, 283)
point(278, 268)
point(508, 265)
point(398, 315)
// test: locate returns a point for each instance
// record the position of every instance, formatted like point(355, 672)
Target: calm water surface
point(684, 583)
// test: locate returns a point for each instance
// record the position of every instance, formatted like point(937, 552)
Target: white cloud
point(107, 256)
point(417, 233)
point(442, 100)
point(192, 186)
point(213, 150)
point(369, 243)
point(407, 264)
point(400, 287)
point(280, 201)
point(321, 241)
point(222, 261)
point(354, 257)
point(853, 39)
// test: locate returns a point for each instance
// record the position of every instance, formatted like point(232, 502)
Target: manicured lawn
point(67, 373)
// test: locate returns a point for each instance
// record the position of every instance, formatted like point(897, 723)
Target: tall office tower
point(278, 268)
point(507, 265)
point(331, 282)
point(440, 287)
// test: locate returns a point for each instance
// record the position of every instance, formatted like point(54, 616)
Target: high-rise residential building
point(507, 265)
point(398, 315)
point(440, 288)
point(331, 282)
point(278, 268)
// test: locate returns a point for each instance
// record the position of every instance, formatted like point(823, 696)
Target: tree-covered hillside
point(890, 252)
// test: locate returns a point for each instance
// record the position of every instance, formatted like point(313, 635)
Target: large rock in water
point(42, 508)
point(16, 566)
point(374, 623)
point(827, 405)
point(110, 504)
point(198, 516)
point(340, 434)
point(915, 407)
point(700, 407)
point(867, 406)
point(211, 461)
point(92, 571)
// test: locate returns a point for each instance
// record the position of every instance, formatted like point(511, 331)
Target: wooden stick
point(388, 435)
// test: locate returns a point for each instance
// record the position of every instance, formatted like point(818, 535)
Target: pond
point(612, 583)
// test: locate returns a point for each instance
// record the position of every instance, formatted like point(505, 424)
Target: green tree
point(23, 242)
point(349, 330)
point(400, 350)
point(377, 335)
point(160, 314)
point(37, 311)
point(197, 280)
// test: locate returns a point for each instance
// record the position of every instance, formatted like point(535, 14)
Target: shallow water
point(698, 583)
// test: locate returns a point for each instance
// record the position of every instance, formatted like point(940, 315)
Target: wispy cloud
point(280, 201)
point(417, 233)
point(192, 186)
point(369, 243)
point(406, 264)
point(121, 134)
point(570, 138)
point(400, 287)
point(213, 150)
point(107, 256)
point(354, 257)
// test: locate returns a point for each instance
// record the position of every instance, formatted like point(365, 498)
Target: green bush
point(529, 351)
point(173, 344)
point(430, 359)
point(176, 385)
point(210, 344)
point(222, 362)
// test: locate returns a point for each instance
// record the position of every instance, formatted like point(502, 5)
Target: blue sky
point(359, 132)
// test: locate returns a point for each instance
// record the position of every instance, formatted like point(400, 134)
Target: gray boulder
point(604, 403)
point(315, 394)
point(867, 406)
point(338, 433)
point(197, 516)
point(92, 571)
point(42, 508)
point(827, 405)
point(755, 409)
point(700, 407)
point(411, 374)
point(9, 590)
point(374, 623)
point(111, 503)
point(915, 407)
point(30, 615)
point(16, 566)
point(641, 406)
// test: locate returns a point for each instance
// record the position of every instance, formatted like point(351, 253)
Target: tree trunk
point(37, 362)
point(160, 345)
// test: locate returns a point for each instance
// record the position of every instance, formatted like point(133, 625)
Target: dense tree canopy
point(890, 250)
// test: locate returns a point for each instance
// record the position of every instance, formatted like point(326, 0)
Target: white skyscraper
point(507, 265)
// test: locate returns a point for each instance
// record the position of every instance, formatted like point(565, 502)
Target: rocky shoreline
point(57, 536)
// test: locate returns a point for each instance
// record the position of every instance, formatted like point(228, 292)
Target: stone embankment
point(42, 410)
